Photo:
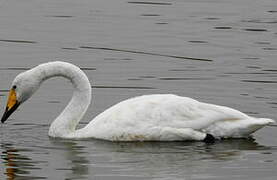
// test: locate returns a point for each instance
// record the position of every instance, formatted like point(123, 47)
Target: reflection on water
point(77, 163)
point(95, 158)
point(35, 156)
point(142, 160)
point(221, 150)
point(16, 165)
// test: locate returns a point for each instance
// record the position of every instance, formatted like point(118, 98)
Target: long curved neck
point(65, 124)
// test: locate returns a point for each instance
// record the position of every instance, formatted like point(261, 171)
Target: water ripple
point(15, 68)
point(272, 11)
point(18, 41)
point(182, 78)
point(198, 41)
point(222, 27)
point(121, 87)
point(69, 48)
point(150, 15)
point(149, 3)
point(260, 81)
point(143, 52)
point(255, 30)
point(60, 16)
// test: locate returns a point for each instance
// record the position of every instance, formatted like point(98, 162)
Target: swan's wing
point(186, 112)
point(217, 120)
point(164, 111)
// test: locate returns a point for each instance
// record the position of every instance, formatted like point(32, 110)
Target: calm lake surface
point(217, 51)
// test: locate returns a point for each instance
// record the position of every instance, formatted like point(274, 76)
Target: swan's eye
point(14, 86)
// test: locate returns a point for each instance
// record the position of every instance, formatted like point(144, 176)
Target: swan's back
point(146, 117)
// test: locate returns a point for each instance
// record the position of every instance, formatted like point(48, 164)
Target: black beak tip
point(7, 113)
point(4, 117)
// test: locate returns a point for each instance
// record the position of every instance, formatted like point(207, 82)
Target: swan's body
point(160, 117)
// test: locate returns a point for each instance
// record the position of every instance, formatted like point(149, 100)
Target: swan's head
point(22, 88)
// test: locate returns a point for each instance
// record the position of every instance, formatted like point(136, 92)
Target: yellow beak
point(12, 105)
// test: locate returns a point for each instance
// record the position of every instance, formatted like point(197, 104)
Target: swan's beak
point(12, 105)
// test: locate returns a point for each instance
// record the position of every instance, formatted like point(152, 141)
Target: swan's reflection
point(77, 164)
point(90, 158)
point(191, 147)
point(16, 165)
point(8, 156)
point(160, 158)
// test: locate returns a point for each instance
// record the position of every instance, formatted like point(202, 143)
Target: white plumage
point(158, 117)
point(167, 117)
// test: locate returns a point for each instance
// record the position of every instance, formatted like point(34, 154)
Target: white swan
point(159, 117)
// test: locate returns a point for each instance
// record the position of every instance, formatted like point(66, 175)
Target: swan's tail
point(239, 128)
point(258, 123)
point(266, 121)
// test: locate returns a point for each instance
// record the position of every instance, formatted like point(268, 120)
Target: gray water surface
point(217, 51)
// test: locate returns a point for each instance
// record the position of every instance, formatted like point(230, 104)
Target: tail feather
point(239, 128)
point(266, 121)
point(257, 124)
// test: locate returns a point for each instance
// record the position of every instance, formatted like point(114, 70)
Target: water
point(217, 51)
